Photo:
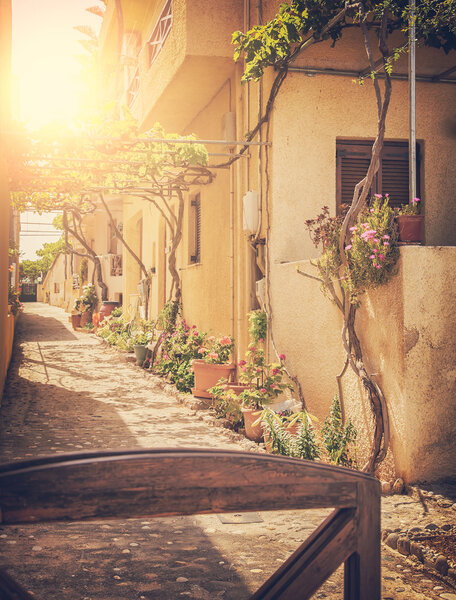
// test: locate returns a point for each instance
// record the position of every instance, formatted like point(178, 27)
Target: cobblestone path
point(67, 391)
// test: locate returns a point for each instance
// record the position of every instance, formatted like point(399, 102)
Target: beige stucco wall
point(407, 333)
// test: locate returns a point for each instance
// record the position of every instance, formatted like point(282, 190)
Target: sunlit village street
point(227, 300)
point(68, 391)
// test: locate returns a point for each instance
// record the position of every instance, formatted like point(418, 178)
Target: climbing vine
point(298, 25)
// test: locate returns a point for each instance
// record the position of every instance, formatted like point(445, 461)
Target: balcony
point(186, 60)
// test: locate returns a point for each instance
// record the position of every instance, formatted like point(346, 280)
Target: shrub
point(338, 439)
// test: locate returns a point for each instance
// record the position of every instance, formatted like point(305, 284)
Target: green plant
point(88, 326)
point(302, 445)
point(180, 347)
point(258, 325)
point(413, 208)
point(265, 380)
point(338, 439)
point(14, 303)
point(117, 312)
point(227, 405)
point(89, 299)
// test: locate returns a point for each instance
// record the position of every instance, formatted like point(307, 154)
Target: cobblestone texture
point(67, 391)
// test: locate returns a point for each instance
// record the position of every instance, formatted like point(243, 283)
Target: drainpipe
point(232, 199)
point(412, 104)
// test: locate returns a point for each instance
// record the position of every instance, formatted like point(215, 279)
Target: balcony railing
point(160, 32)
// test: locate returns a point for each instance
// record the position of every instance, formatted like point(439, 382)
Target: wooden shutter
point(352, 162)
point(395, 172)
point(195, 256)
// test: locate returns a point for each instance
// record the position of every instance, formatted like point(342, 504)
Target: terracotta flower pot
point(253, 432)
point(107, 308)
point(207, 375)
point(76, 321)
point(237, 388)
point(86, 317)
point(410, 228)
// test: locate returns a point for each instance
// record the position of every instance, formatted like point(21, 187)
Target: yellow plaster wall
point(405, 330)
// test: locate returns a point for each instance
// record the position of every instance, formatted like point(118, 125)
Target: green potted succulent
point(140, 338)
point(410, 222)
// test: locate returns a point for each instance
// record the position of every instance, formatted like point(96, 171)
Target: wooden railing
point(156, 482)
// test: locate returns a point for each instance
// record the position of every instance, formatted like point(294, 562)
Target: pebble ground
point(68, 391)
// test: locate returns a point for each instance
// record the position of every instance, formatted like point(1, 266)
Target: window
point(160, 32)
point(195, 229)
point(56, 287)
point(352, 162)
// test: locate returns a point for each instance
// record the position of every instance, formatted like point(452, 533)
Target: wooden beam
point(313, 562)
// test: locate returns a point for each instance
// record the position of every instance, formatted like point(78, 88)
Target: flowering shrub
point(14, 303)
point(265, 380)
point(123, 333)
point(413, 208)
point(372, 251)
point(179, 348)
point(89, 299)
point(227, 405)
point(219, 350)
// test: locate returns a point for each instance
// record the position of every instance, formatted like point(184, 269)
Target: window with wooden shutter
point(195, 229)
point(352, 162)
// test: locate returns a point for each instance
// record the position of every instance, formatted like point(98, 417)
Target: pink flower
point(275, 371)
point(365, 225)
point(263, 390)
point(273, 385)
point(386, 243)
point(378, 266)
point(261, 340)
point(225, 341)
point(282, 356)
point(212, 355)
point(416, 200)
point(202, 350)
point(258, 370)
point(193, 326)
point(376, 241)
point(242, 363)
point(372, 210)
point(372, 256)
point(349, 247)
point(385, 237)
point(381, 256)
point(353, 228)
point(378, 195)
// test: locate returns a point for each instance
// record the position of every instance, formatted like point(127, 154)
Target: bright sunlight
point(45, 65)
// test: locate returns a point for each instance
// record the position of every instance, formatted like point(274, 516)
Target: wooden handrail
point(163, 482)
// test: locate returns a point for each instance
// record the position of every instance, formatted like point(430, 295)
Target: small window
point(352, 161)
point(56, 287)
point(195, 230)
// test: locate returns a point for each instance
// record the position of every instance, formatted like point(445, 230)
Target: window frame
point(363, 149)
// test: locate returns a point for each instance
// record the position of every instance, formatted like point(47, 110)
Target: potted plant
point(140, 338)
point(265, 384)
point(410, 222)
point(213, 365)
point(76, 314)
point(227, 405)
point(87, 303)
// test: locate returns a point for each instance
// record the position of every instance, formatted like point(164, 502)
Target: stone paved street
point(68, 391)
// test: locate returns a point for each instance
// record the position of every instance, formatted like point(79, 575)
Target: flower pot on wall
point(207, 375)
point(410, 228)
point(252, 432)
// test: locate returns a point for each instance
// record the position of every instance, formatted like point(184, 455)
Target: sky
point(45, 75)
